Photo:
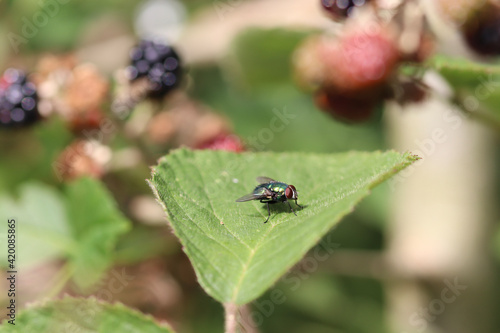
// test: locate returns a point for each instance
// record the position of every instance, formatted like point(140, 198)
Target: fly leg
point(268, 213)
point(268, 210)
point(298, 204)
point(288, 202)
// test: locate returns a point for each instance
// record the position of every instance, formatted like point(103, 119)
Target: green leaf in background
point(262, 57)
point(460, 70)
point(42, 228)
point(30, 154)
point(237, 261)
point(477, 85)
point(96, 224)
point(131, 248)
point(82, 315)
point(81, 224)
point(64, 22)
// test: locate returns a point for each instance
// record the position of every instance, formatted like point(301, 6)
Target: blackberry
point(341, 9)
point(482, 33)
point(18, 100)
point(159, 63)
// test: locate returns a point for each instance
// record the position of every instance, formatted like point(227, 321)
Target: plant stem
point(441, 214)
point(361, 263)
point(230, 311)
point(239, 316)
point(247, 323)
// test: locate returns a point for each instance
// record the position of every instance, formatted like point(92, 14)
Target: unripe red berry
point(224, 142)
point(360, 60)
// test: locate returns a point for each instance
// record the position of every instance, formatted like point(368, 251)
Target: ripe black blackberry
point(482, 33)
point(341, 9)
point(18, 99)
point(159, 63)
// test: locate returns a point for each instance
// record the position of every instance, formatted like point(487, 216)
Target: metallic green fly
point(271, 191)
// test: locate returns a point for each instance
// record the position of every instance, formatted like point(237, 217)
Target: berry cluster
point(340, 9)
point(159, 63)
point(354, 72)
point(359, 60)
point(351, 74)
point(18, 99)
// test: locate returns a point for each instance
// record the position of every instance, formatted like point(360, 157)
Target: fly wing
point(264, 180)
point(248, 197)
point(260, 192)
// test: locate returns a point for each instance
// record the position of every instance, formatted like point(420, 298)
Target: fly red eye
point(291, 192)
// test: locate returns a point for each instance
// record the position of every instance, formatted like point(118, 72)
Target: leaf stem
point(230, 312)
point(247, 323)
point(483, 115)
point(239, 316)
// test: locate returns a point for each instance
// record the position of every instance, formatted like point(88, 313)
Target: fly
point(271, 191)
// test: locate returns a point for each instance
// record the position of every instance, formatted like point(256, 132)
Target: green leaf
point(460, 70)
point(96, 225)
point(237, 261)
point(42, 231)
point(30, 154)
point(477, 85)
point(262, 56)
point(142, 243)
point(82, 315)
point(82, 225)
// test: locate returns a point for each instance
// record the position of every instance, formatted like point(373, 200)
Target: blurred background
point(420, 254)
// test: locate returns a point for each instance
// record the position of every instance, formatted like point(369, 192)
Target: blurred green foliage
point(81, 225)
point(80, 315)
point(57, 25)
point(476, 86)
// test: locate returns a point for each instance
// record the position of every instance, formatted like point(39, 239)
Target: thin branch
point(239, 319)
point(230, 312)
point(246, 321)
point(359, 263)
